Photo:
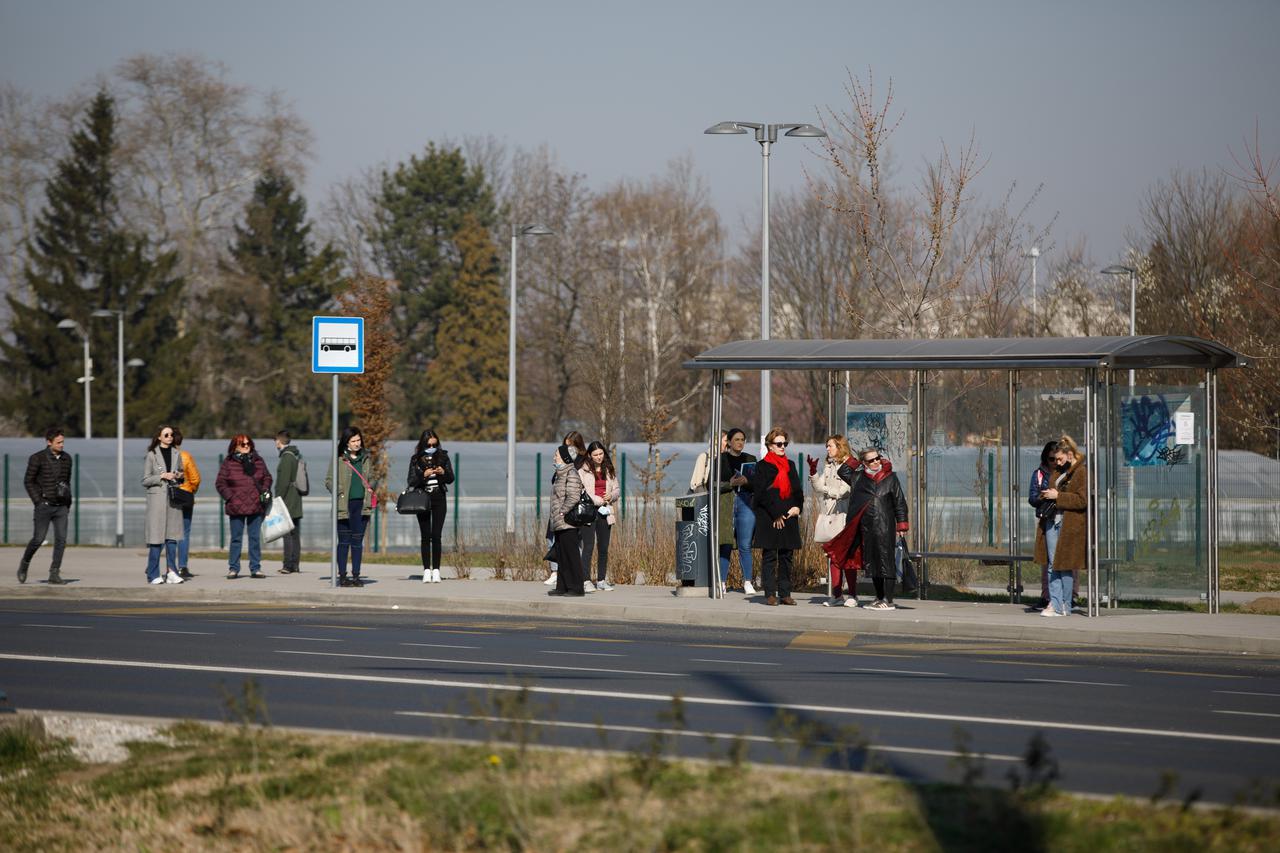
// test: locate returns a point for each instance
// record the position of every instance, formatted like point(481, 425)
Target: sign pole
point(333, 493)
point(337, 346)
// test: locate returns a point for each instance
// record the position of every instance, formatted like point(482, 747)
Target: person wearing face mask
point(1064, 546)
point(600, 481)
point(834, 493)
point(576, 446)
point(566, 547)
point(161, 468)
point(876, 517)
point(737, 510)
point(356, 501)
point(431, 471)
point(244, 483)
point(778, 499)
point(1046, 530)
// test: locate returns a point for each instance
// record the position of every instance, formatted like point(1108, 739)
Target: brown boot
point(788, 600)
point(771, 600)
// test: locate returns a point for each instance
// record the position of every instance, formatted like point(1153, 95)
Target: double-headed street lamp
point(766, 135)
point(88, 372)
point(1120, 269)
point(120, 366)
point(517, 231)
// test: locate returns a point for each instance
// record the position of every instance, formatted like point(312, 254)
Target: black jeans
point(595, 533)
point(884, 588)
point(430, 525)
point(776, 568)
point(46, 513)
point(568, 549)
point(292, 543)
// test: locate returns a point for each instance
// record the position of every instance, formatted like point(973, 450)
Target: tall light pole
point(88, 373)
point(1033, 253)
point(120, 366)
point(517, 231)
point(766, 135)
point(1120, 269)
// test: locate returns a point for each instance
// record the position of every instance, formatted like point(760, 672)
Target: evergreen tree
point(82, 260)
point(270, 290)
point(469, 373)
point(420, 209)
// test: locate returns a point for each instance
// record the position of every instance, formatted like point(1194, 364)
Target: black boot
point(22, 571)
point(55, 577)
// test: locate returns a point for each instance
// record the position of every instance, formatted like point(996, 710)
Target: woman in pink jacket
point(601, 483)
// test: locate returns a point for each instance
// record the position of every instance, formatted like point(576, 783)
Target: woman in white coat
point(601, 483)
point(162, 468)
point(834, 494)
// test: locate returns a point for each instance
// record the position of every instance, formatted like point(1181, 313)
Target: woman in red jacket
point(245, 484)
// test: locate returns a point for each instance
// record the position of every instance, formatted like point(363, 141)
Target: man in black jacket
point(48, 482)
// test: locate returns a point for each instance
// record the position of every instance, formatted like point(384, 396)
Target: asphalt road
point(1114, 721)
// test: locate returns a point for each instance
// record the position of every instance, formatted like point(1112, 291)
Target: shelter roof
point(1115, 353)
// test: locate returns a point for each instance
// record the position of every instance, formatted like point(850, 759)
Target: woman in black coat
point(779, 497)
point(431, 471)
point(877, 515)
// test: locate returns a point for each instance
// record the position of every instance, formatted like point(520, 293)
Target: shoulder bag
point(373, 496)
point(412, 502)
point(828, 526)
point(583, 513)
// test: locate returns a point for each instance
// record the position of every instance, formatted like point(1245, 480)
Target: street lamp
point(517, 231)
point(766, 135)
point(88, 372)
point(1120, 269)
point(1033, 253)
point(120, 365)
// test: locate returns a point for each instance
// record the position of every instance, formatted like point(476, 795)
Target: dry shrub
point(518, 558)
point(463, 557)
point(643, 547)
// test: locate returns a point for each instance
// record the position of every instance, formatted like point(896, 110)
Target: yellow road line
point(821, 640)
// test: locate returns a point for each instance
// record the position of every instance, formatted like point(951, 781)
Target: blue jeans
point(1060, 583)
point(153, 558)
point(744, 525)
point(238, 525)
point(351, 538)
point(184, 547)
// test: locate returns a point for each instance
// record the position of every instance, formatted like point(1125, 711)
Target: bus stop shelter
point(1123, 428)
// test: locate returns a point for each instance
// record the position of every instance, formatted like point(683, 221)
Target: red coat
point(241, 491)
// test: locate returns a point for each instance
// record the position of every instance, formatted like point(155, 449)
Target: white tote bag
point(828, 526)
point(277, 523)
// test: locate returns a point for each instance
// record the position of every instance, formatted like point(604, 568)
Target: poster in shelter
point(885, 427)
point(1149, 429)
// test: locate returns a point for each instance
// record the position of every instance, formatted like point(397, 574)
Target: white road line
point(1247, 713)
point(584, 654)
point(310, 639)
point(502, 664)
point(1245, 693)
point(736, 662)
point(1064, 681)
point(644, 730)
point(440, 646)
point(664, 698)
point(158, 631)
point(897, 671)
point(72, 627)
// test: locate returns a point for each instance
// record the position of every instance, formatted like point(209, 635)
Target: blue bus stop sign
point(337, 345)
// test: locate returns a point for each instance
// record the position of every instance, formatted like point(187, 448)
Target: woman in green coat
point(355, 502)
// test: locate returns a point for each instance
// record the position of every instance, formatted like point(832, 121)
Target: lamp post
point(1120, 269)
point(517, 231)
point(1033, 253)
point(88, 373)
point(766, 135)
point(120, 366)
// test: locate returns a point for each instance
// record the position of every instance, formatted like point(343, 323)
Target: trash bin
point(693, 563)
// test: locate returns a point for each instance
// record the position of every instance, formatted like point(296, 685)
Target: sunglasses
point(869, 460)
point(780, 443)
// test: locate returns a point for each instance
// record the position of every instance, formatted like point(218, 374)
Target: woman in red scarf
point(779, 497)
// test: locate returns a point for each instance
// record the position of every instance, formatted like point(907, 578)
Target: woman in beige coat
point(833, 492)
point(601, 482)
point(566, 546)
point(161, 469)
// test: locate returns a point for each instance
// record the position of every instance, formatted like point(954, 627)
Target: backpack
point(300, 481)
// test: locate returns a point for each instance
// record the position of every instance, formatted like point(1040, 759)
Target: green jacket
point(286, 477)
point(344, 484)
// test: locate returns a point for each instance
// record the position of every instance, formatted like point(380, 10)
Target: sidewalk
point(118, 575)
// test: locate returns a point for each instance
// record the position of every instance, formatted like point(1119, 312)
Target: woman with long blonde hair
point(834, 494)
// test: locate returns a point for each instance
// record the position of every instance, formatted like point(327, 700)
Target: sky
point(1093, 102)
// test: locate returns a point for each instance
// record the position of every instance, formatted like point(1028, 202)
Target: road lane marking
point(810, 640)
point(663, 698)
point(900, 671)
point(1247, 713)
point(1064, 681)
point(645, 730)
point(456, 631)
point(741, 662)
point(308, 639)
point(1245, 693)
point(487, 663)
point(590, 639)
point(722, 646)
point(1193, 674)
point(344, 627)
point(42, 625)
point(584, 654)
point(158, 631)
point(440, 645)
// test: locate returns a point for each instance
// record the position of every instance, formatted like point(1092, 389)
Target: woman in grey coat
point(162, 468)
point(566, 488)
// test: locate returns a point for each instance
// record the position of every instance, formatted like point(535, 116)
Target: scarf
point(246, 463)
point(782, 481)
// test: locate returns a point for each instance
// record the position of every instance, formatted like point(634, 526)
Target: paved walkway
point(118, 574)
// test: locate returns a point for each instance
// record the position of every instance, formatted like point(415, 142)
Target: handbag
point(828, 527)
point(583, 513)
point(1046, 509)
point(906, 569)
point(368, 490)
point(412, 502)
point(180, 498)
point(278, 522)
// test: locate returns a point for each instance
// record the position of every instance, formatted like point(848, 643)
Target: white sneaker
point(835, 601)
point(1049, 611)
point(435, 576)
point(588, 586)
point(747, 588)
point(426, 576)
point(172, 577)
point(851, 602)
point(604, 586)
point(156, 580)
point(551, 581)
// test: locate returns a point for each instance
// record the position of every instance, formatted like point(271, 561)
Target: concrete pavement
point(118, 575)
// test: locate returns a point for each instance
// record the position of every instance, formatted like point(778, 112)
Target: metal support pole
point(1091, 497)
point(457, 494)
point(1015, 477)
point(222, 514)
point(920, 518)
point(537, 484)
point(1211, 452)
point(6, 499)
point(716, 583)
point(88, 378)
point(77, 497)
point(511, 392)
point(766, 408)
point(622, 488)
point(120, 429)
point(333, 492)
